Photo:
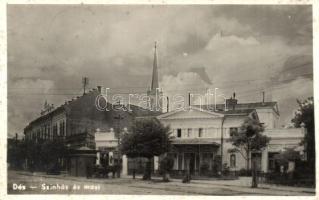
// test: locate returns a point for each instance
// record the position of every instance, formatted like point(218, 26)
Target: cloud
point(287, 93)
point(218, 41)
point(113, 46)
point(183, 84)
point(25, 102)
point(182, 81)
point(296, 66)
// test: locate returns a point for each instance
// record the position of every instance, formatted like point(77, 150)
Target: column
point(183, 165)
point(124, 165)
point(98, 158)
point(264, 160)
point(155, 164)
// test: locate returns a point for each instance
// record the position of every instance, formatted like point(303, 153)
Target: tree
point(33, 155)
point(289, 154)
point(249, 139)
point(147, 138)
point(16, 153)
point(305, 115)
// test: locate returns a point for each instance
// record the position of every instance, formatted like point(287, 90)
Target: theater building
point(201, 134)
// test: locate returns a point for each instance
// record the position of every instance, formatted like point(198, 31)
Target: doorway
point(189, 162)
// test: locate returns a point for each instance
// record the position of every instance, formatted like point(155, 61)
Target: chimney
point(231, 102)
point(167, 104)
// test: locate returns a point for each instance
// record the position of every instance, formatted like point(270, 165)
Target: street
point(20, 182)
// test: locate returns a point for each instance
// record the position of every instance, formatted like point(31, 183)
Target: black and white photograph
point(160, 99)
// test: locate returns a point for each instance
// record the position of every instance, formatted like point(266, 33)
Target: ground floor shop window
point(272, 165)
point(207, 158)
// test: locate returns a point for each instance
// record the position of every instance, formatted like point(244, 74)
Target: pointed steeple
point(153, 93)
point(45, 106)
point(155, 73)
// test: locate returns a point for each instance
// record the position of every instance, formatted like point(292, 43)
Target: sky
point(246, 49)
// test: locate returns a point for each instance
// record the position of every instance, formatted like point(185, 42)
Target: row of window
point(180, 160)
point(200, 132)
point(189, 132)
point(44, 132)
point(208, 158)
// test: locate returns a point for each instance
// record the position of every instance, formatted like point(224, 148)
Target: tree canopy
point(147, 138)
point(305, 115)
point(289, 154)
point(249, 137)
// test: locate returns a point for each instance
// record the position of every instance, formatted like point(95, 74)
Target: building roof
point(62, 107)
point(227, 112)
point(138, 111)
point(195, 141)
point(46, 116)
point(84, 148)
point(243, 106)
point(237, 112)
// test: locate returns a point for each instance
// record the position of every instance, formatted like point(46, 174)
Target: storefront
point(81, 160)
point(195, 155)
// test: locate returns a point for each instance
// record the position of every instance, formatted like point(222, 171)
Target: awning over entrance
point(195, 141)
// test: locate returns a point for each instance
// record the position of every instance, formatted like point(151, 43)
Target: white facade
point(105, 139)
point(107, 143)
point(198, 136)
point(198, 129)
point(268, 117)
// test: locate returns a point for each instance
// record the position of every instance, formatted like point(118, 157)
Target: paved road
point(43, 184)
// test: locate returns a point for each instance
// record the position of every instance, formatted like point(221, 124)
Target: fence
point(289, 179)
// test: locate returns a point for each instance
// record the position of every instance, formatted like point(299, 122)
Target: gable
point(190, 113)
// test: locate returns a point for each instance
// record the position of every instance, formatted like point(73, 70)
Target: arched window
point(232, 160)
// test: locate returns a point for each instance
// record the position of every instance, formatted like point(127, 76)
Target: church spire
point(155, 73)
point(154, 94)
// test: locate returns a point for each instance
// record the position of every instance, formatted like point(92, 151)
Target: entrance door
point(189, 162)
point(257, 158)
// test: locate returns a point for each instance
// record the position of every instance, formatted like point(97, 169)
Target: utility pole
point(118, 130)
point(222, 144)
point(16, 139)
point(85, 83)
point(167, 110)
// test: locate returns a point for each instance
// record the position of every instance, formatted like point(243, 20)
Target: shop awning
point(195, 141)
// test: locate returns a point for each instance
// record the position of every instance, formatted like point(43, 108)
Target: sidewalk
point(246, 182)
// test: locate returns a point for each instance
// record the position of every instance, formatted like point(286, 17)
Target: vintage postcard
point(159, 99)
